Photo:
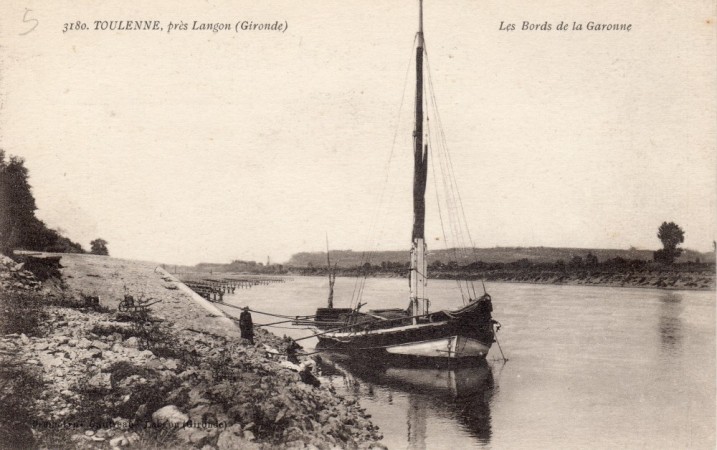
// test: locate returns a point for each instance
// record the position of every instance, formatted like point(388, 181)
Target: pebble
point(169, 414)
point(119, 441)
point(100, 345)
point(100, 381)
point(49, 360)
point(132, 342)
point(196, 436)
point(248, 435)
point(171, 364)
point(154, 364)
point(131, 352)
point(230, 439)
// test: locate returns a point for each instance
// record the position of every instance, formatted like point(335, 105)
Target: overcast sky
point(196, 146)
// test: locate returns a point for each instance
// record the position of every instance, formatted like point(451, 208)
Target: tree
point(19, 228)
point(99, 247)
point(17, 205)
point(591, 260)
point(671, 235)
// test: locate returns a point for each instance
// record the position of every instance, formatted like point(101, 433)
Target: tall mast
point(419, 153)
point(417, 280)
point(332, 275)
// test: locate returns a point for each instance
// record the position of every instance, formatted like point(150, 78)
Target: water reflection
point(670, 323)
point(460, 394)
point(416, 422)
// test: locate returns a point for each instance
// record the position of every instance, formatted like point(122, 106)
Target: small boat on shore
point(466, 332)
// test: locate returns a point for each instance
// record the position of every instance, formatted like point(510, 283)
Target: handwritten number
point(26, 20)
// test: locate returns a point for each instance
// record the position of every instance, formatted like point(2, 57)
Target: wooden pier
point(213, 289)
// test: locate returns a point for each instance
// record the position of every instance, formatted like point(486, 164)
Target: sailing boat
point(414, 332)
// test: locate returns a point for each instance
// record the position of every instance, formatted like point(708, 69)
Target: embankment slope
point(178, 377)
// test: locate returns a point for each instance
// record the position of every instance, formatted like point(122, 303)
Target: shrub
point(22, 312)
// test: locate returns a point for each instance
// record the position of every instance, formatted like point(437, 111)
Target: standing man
point(246, 325)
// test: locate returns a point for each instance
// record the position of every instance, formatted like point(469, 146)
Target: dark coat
point(245, 320)
point(246, 325)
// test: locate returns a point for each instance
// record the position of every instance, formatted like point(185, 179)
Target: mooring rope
point(495, 334)
point(287, 328)
point(273, 323)
point(281, 316)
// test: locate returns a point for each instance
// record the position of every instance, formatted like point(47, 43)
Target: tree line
point(669, 233)
point(19, 226)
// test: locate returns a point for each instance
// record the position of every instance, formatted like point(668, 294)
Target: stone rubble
point(13, 276)
point(134, 384)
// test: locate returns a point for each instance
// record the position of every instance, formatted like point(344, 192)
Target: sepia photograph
point(413, 224)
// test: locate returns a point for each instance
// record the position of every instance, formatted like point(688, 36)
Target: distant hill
point(349, 258)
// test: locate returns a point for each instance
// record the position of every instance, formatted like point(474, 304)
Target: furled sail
point(420, 153)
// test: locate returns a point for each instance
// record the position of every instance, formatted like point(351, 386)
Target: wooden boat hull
point(449, 347)
point(467, 334)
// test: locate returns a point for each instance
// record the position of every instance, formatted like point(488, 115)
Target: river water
point(588, 367)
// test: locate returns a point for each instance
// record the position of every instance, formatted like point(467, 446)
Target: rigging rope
point(438, 202)
point(453, 197)
point(462, 245)
point(372, 235)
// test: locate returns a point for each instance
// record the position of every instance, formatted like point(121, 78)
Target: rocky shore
point(77, 374)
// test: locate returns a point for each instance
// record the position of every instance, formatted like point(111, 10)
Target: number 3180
point(74, 26)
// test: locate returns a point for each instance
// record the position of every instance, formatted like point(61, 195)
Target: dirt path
point(111, 279)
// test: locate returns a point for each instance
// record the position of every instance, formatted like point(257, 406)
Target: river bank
point(693, 277)
point(698, 281)
point(83, 375)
